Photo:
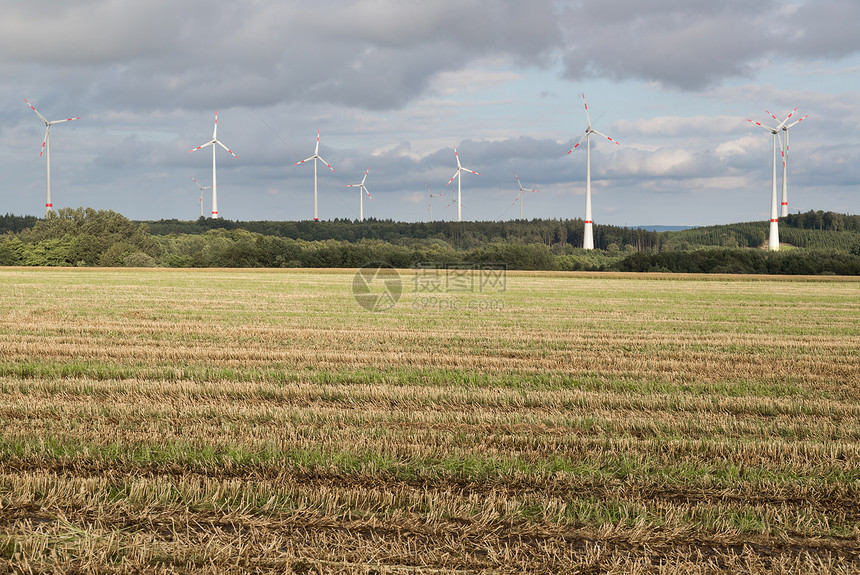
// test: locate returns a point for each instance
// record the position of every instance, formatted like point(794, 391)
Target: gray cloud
point(376, 55)
point(697, 44)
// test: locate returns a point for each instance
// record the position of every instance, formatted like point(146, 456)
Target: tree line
point(87, 237)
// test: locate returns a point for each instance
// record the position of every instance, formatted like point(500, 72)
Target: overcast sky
point(394, 85)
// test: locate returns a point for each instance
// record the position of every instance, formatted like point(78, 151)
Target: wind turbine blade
point(584, 103)
point(327, 164)
point(457, 156)
point(582, 139)
point(37, 111)
point(305, 160)
point(200, 147)
point(226, 148)
point(452, 178)
point(365, 175)
point(66, 120)
point(367, 192)
point(317, 149)
point(787, 118)
point(471, 171)
point(795, 122)
point(768, 128)
point(215, 131)
point(45, 141)
point(605, 136)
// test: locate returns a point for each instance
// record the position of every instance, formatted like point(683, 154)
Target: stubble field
point(234, 421)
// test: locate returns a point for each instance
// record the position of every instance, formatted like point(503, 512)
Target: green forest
point(812, 243)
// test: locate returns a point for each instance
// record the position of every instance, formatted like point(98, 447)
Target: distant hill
point(663, 228)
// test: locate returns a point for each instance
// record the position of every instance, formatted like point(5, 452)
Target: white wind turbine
point(316, 157)
point(522, 194)
point(785, 128)
point(46, 149)
point(773, 235)
point(361, 188)
point(588, 235)
point(202, 188)
point(432, 195)
point(212, 143)
point(457, 174)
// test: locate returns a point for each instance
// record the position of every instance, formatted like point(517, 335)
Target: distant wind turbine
point(361, 188)
point(202, 188)
point(212, 143)
point(316, 157)
point(588, 235)
point(46, 149)
point(522, 194)
point(457, 174)
point(432, 195)
point(773, 235)
point(785, 128)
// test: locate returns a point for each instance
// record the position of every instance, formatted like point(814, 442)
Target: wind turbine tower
point(316, 157)
point(785, 127)
point(773, 235)
point(588, 232)
point(212, 143)
point(362, 189)
point(457, 174)
point(46, 149)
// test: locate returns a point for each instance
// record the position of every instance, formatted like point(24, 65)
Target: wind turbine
point(316, 157)
point(588, 235)
point(773, 236)
point(201, 194)
point(457, 174)
point(785, 128)
point(452, 202)
point(212, 143)
point(46, 149)
point(432, 195)
point(522, 193)
point(361, 188)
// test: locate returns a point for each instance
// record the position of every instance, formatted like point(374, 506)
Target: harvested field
point(220, 421)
